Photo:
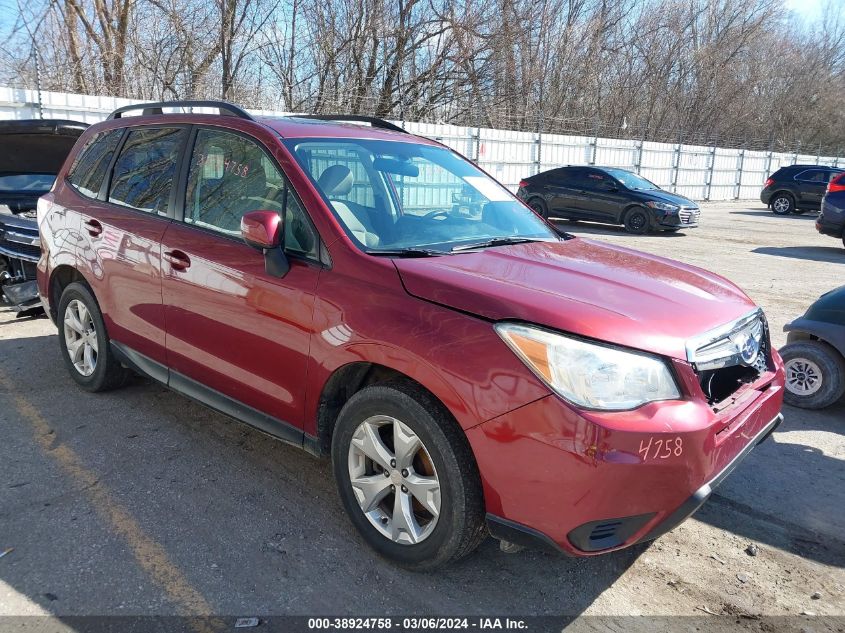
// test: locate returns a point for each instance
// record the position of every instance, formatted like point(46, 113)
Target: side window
point(231, 175)
point(832, 174)
point(145, 168)
point(812, 175)
point(88, 170)
point(596, 180)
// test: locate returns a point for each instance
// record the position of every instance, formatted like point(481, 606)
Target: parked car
point(466, 371)
point(814, 356)
point(797, 188)
point(609, 195)
point(831, 220)
point(33, 152)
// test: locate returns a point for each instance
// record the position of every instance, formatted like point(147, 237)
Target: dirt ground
point(140, 502)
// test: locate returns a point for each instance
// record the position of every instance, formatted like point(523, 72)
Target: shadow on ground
point(244, 517)
point(813, 253)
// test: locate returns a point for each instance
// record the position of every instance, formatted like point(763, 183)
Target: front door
point(233, 330)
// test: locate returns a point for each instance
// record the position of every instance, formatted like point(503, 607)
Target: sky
point(808, 9)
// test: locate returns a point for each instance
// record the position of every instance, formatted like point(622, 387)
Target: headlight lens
point(590, 375)
point(663, 206)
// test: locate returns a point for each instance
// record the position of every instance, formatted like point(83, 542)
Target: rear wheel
point(815, 374)
point(539, 207)
point(407, 477)
point(782, 204)
point(85, 343)
point(637, 221)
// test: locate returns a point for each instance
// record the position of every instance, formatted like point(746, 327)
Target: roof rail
point(223, 107)
point(372, 120)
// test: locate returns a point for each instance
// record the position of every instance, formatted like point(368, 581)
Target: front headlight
point(591, 375)
point(663, 206)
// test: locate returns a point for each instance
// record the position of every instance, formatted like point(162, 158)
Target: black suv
point(610, 195)
point(797, 188)
point(32, 153)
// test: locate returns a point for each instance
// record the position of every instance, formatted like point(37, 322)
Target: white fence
point(698, 172)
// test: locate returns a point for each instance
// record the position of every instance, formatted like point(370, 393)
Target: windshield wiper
point(496, 241)
point(408, 252)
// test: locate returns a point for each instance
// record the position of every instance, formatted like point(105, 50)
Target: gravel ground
point(140, 502)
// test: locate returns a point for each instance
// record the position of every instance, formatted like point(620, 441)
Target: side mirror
point(264, 230)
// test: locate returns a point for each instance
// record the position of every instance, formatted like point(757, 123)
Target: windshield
point(632, 180)
point(36, 183)
point(393, 196)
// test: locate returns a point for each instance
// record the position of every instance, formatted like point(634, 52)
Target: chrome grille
point(741, 342)
point(689, 215)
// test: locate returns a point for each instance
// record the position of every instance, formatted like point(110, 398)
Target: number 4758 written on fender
point(661, 448)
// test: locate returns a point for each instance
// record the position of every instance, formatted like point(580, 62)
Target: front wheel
point(815, 374)
point(637, 221)
point(407, 477)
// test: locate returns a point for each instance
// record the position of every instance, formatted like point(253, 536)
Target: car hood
point(666, 196)
point(37, 147)
point(584, 287)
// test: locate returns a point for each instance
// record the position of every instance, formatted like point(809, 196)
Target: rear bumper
point(585, 484)
point(828, 227)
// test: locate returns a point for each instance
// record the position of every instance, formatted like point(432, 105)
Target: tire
point(782, 204)
point(539, 207)
point(94, 367)
point(444, 459)
point(815, 374)
point(637, 221)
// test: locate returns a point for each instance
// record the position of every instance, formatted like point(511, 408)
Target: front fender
point(458, 357)
point(803, 329)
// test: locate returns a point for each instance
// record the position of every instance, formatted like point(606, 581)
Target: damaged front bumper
point(20, 249)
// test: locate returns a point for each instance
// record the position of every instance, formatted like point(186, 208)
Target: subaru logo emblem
point(747, 346)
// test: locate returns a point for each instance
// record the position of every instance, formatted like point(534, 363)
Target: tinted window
point(144, 171)
point(27, 182)
point(89, 168)
point(812, 175)
point(575, 178)
point(598, 180)
point(231, 175)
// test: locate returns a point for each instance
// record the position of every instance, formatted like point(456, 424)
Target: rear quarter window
point(89, 169)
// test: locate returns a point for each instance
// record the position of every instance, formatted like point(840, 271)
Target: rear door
point(812, 184)
point(120, 236)
point(565, 189)
point(238, 338)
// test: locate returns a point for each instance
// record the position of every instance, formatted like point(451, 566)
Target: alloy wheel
point(80, 337)
point(803, 377)
point(781, 205)
point(394, 480)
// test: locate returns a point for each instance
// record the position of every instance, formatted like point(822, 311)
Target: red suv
point(373, 296)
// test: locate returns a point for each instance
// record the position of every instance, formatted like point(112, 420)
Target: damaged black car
point(31, 153)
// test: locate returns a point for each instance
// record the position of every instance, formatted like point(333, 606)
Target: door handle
point(177, 259)
point(94, 227)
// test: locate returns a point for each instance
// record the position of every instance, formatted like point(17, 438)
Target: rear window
point(143, 173)
point(88, 170)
